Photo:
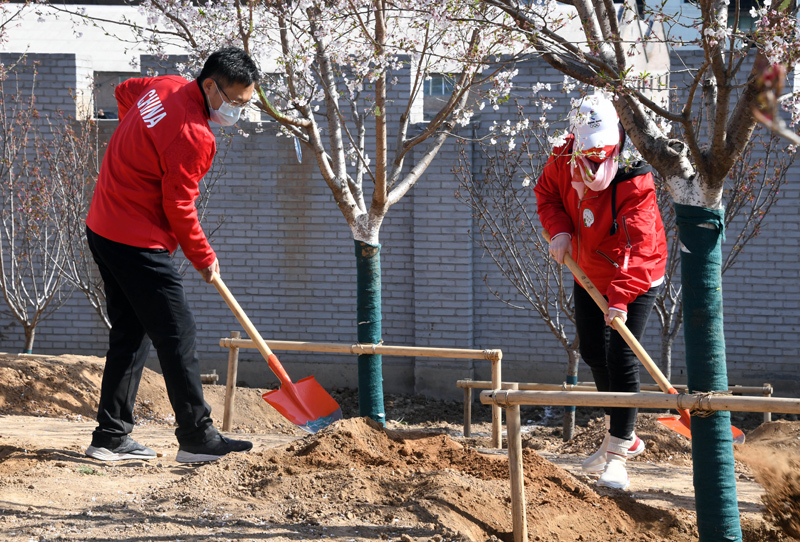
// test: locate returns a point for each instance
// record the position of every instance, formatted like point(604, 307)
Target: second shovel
point(305, 403)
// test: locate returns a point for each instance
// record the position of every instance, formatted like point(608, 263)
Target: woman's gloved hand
point(616, 313)
point(560, 244)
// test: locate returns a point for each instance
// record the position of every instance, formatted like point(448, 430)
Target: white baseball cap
point(594, 122)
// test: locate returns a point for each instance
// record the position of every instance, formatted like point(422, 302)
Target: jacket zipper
point(611, 261)
point(578, 231)
point(628, 247)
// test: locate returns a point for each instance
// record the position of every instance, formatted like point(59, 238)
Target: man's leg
point(154, 289)
point(122, 373)
point(148, 291)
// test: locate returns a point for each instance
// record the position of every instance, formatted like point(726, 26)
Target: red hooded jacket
point(623, 264)
point(149, 180)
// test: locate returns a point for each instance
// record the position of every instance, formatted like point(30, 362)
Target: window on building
point(745, 20)
point(438, 85)
point(105, 105)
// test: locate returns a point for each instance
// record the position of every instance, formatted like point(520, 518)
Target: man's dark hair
point(229, 66)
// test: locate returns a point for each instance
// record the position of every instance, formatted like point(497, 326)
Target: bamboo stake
point(700, 401)
point(467, 411)
point(494, 355)
point(497, 413)
point(765, 390)
point(468, 384)
point(519, 520)
point(230, 384)
point(383, 349)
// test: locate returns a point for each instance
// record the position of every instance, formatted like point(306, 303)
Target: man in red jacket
point(599, 205)
point(143, 208)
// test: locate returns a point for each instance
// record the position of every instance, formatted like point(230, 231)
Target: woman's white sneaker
point(615, 474)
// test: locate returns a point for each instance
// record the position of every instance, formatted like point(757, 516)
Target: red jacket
point(151, 171)
point(622, 265)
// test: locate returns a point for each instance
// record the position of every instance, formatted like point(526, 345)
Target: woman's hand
point(559, 245)
point(616, 313)
point(209, 271)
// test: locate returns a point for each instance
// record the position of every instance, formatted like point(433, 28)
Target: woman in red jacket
point(599, 206)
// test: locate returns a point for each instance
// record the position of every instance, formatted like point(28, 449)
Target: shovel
point(680, 425)
point(304, 403)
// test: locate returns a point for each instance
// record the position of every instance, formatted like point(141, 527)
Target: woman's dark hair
point(229, 66)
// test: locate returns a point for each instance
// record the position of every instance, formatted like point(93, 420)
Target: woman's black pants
point(614, 365)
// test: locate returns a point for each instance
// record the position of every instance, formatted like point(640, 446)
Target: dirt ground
point(416, 480)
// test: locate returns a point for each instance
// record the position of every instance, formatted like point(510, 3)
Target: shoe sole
point(188, 457)
point(597, 469)
point(623, 487)
point(104, 454)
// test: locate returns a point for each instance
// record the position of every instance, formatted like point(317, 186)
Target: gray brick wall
point(287, 254)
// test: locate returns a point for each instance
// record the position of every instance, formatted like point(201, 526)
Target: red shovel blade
point(683, 425)
point(305, 403)
point(677, 425)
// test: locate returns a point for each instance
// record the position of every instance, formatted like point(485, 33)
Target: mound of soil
point(68, 387)
point(357, 469)
point(773, 454)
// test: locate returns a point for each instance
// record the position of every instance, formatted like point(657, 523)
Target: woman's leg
point(593, 336)
point(623, 366)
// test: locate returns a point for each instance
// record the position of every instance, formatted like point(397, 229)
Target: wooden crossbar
point(468, 385)
point(383, 349)
point(234, 343)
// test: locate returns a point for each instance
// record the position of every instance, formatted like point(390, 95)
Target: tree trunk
point(30, 332)
point(569, 411)
point(712, 442)
point(666, 357)
point(368, 314)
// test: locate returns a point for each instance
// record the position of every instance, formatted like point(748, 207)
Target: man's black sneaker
point(127, 449)
point(211, 450)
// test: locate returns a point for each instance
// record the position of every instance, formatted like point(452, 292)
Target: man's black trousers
point(146, 303)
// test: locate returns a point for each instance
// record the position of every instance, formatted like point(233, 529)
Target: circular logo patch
point(588, 217)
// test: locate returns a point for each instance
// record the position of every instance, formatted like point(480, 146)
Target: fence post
point(230, 385)
point(468, 410)
point(497, 412)
point(519, 519)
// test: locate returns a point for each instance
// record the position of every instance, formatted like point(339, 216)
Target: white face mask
point(227, 114)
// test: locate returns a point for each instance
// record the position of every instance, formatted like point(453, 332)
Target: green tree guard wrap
point(368, 314)
point(712, 442)
point(574, 381)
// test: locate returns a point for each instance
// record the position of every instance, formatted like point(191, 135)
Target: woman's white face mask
point(227, 114)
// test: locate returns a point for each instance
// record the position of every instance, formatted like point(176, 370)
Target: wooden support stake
point(230, 385)
point(383, 349)
point(519, 520)
point(765, 390)
point(767, 393)
point(685, 401)
point(497, 412)
point(467, 412)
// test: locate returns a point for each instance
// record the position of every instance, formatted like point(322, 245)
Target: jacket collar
point(196, 93)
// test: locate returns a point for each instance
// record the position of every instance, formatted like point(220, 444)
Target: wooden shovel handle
point(251, 330)
point(618, 324)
